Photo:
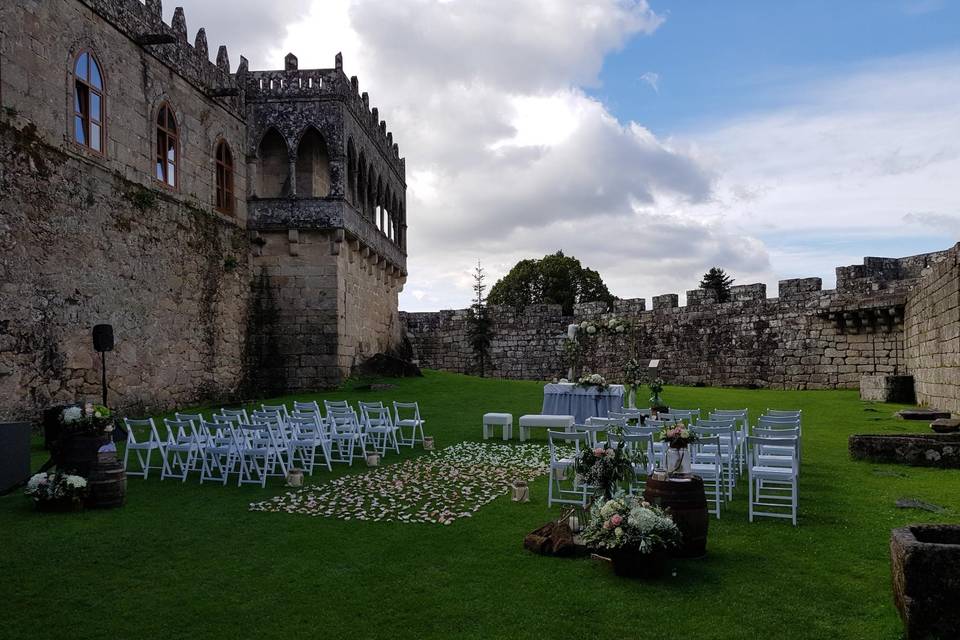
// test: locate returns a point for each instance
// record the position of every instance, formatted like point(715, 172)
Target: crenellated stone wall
point(806, 338)
point(933, 334)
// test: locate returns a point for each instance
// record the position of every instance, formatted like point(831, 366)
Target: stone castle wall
point(933, 335)
point(806, 338)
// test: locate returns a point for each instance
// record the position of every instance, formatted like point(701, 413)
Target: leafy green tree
point(553, 279)
point(719, 282)
point(480, 328)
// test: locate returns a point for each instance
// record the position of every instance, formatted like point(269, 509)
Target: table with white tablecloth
point(568, 399)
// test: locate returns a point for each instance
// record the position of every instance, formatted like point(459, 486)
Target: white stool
point(527, 422)
point(491, 420)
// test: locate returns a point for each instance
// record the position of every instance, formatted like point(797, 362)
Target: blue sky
point(714, 60)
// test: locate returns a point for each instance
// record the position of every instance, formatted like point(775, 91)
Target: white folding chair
point(708, 465)
point(727, 450)
point(308, 436)
point(408, 418)
point(774, 422)
point(142, 446)
point(218, 451)
point(183, 446)
point(380, 429)
point(561, 467)
point(779, 456)
point(255, 454)
point(596, 427)
point(347, 437)
point(773, 487)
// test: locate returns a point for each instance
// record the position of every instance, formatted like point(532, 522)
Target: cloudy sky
point(651, 140)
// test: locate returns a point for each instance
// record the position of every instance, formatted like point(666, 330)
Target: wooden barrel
point(78, 453)
point(107, 483)
point(687, 503)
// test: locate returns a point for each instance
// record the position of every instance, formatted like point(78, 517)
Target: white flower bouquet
point(56, 487)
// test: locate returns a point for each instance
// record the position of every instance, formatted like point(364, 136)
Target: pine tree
point(717, 281)
point(480, 330)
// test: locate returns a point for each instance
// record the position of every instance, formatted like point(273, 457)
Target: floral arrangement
point(628, 522)
point(679, 436)
point(613, 325)
point(50, 487)
point(656, 388)
point(603, 468)
point(593, 380)
point(93, 419)
point(634, 374)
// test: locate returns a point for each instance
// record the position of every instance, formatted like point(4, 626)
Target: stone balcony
point(323, 214)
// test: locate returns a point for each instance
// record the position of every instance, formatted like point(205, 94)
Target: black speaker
point(102, 338)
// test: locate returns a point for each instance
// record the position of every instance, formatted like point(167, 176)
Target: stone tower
point(327, 216)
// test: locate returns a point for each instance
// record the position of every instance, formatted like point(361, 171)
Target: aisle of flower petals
point(439, 487)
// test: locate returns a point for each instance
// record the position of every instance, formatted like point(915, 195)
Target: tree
point(480, 328)
point(717, 281)
point(553, 279)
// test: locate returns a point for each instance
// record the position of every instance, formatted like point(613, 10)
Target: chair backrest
point(645, 430)
point(707, 446)
point(335, 404)
point(239, 413)
point(195, 418)
point(377, 416)
point(146, 424)
point(227, 419)
point(689, 414)
point(670, 418)
point(627, 415)
point(576, 437)
point(343, 420)
point(755, 444)
point(303, 422)
point(718, 422)
point(638, 443)
point(657, 424)
point(786, 432)
point(740, 416)
point(276, 408)
point(180, 430)
point(785, 413)
point(306, 407)
point(266, 417)
point(723, 432)
point(776, 422)
point(407, 407)
point(606, 422)
point(214, 432)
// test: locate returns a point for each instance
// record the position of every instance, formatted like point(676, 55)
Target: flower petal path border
point(436, 488)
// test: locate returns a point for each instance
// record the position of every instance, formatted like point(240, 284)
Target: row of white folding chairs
point(217, 449)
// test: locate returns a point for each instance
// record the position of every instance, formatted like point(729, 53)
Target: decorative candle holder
point(428, 443)
point(520, 491)
point(373, 459)
point(295, 478)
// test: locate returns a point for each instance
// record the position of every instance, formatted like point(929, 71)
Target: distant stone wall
point(933, 334)
point(806, 338)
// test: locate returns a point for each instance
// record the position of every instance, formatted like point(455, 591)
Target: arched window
point(274, 171)
point(224, 202)
point(88, 104)
point(168, 146)
point(313, 166)
point(351, 173)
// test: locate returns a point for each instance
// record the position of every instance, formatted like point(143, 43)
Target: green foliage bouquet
point(606, 467)
point(91, 419)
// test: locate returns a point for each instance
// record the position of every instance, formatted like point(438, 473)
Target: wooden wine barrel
point(107, 483)
point(78, 453)
point(687, 504)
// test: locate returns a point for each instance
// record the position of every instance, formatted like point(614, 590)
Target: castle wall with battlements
point(806, 338)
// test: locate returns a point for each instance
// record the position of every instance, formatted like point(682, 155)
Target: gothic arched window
point(88, 103)
point(224, 186)
point(168, 148)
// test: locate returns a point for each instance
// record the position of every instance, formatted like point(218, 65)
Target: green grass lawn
point(185, 560)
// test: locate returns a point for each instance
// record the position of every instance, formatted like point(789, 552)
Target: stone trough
point(925, 567)
point(916, 449)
